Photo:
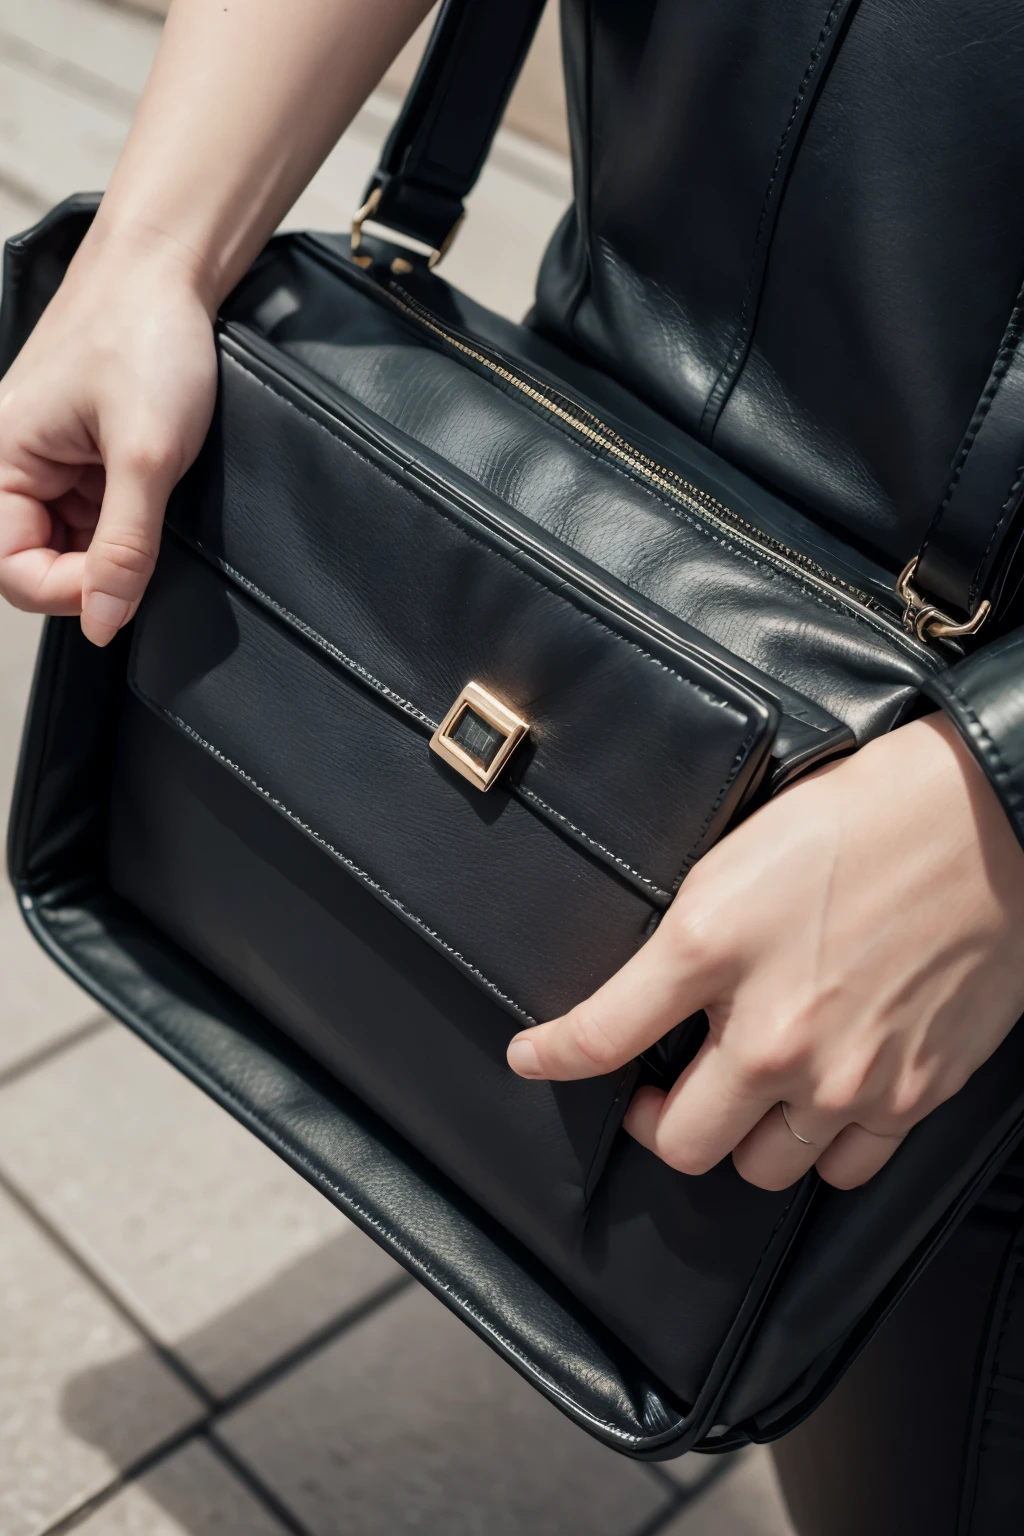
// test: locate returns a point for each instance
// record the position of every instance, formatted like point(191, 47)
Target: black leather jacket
point(799, 233)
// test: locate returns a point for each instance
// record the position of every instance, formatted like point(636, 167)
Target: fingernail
point(106, 610)
point(523, 1058)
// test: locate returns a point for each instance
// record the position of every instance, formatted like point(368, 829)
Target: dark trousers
point(925, 1434)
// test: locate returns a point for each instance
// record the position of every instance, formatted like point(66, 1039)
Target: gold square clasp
point(478, 736)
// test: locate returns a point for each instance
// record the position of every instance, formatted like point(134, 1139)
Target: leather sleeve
point(984, 697)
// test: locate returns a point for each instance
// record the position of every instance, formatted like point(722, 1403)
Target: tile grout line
point(101, 1284)
point(660, 1519)
point(56, 1048)
point(121, 1480)
point(217, 1408)
point(213, 1409)
point(244, 1473)
point(305, 1348)
point(205, 1427)
point(707, 1478)
point(684, 1497)
point(85, 83)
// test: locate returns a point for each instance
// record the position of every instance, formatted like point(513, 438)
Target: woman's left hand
point(858, 947)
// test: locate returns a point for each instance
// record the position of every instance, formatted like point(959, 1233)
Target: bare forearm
point(245, 99)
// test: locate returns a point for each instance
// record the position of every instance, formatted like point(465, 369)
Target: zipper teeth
point(701, 503)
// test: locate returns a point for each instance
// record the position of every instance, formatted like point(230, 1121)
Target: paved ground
point(192, 1342)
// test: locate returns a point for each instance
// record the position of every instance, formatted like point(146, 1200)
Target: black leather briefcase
point(456, 658)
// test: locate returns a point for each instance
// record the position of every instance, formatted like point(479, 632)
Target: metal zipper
point(699, 502)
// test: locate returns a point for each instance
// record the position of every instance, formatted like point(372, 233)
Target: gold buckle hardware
point(478, 736)
point(928, 622)
point(364, 220)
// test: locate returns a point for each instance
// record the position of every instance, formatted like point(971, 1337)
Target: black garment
point(798, 232)
point(925, 1434)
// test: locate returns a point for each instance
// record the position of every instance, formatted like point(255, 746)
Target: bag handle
point(437, 148)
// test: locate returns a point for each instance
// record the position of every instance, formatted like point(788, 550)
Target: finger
point(652, 993)
point(34, 575)
point(772, 1157)
point(76, 511)
point(126, 542)
point(708, 1112)
point(855, 1156)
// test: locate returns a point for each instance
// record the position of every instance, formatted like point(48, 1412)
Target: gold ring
point(796, 1133)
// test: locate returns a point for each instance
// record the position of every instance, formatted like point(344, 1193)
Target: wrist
point(116, 250)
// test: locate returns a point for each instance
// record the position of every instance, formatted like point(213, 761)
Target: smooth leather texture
point(834, 187)
point(440, 140)
point(356, 774)
point(984, 695)
point(640, 750)
point(965, 553)
point(857, 668)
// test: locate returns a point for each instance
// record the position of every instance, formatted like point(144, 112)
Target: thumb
point(126, 542)
point(653, 992)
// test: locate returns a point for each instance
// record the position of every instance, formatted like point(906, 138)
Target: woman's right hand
point(101, 413)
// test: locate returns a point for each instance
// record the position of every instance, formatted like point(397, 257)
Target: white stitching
point(322, 642)
point(349, 864)
point(530, 794)
point(411, 709)
point(493, 548)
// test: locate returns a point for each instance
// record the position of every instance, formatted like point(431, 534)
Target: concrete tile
point(39, 1006)
point(19, 641)
point(107, 50)
point(215, 1244)
point(411, 1423)
point(691, 1471)
point(54, 140)
point(16, 213)
point(55, 1328)
point(190, 1494)
point(745, 1500)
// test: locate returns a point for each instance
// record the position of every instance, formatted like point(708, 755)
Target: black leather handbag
point(456, 658)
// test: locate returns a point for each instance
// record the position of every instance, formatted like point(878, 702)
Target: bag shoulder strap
point(965, 550)
point(415, 203)
point(437, 148)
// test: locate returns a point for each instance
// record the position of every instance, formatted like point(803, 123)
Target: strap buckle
point(929, 622)
point(365, 223)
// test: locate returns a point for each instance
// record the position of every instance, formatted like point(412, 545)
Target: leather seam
point(353, 868)
point(989, 746)
point(493, 548)
point(734, 770)
point(717, 398)
point(1000, 367)
point(530, 794)
point(409, 708)
point(321, 641)
point(692, 520)
point(1004, 512)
